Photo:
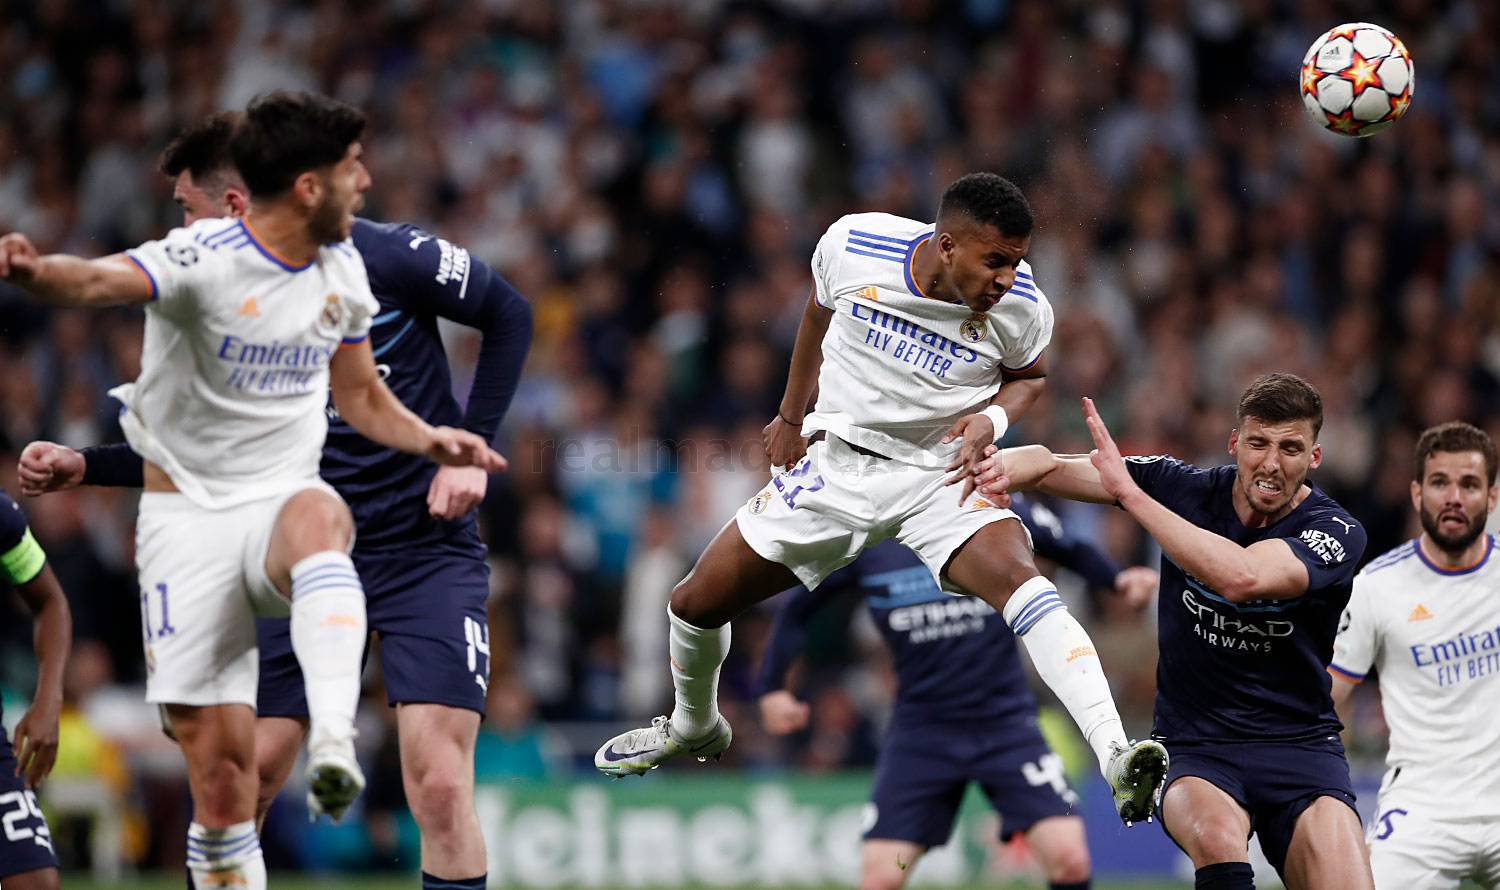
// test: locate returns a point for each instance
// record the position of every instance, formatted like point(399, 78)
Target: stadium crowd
point(653, 174)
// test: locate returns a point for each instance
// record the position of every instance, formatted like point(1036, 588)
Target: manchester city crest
point(974, 328)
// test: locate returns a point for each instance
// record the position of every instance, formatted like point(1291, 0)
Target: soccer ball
point(1357, 79)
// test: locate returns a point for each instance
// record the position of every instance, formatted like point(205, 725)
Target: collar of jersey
point(911, 254)
point(1489, 547)
point(270, 254)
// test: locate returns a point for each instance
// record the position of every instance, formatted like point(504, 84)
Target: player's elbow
point(1240, 586)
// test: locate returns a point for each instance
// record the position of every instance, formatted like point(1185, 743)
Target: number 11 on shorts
point(164, 628)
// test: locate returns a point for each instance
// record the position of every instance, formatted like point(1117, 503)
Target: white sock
point(696, 656)
point(1067, 662)
point(226, 858)
point(328, 636)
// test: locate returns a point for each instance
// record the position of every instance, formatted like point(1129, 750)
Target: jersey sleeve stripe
point(141, 268)
point(891, 238)
point(898, 249)
point(895, 258)
point(1349, 675)
point(1025, 366)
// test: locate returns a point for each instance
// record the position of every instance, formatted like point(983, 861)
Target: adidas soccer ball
point(1357, 79)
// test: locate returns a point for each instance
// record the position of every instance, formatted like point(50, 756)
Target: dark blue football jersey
point(418, 278)
point(1257, 670)
point(21, 559)
point(955, 657)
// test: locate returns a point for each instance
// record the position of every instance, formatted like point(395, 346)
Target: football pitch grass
point(289, 881)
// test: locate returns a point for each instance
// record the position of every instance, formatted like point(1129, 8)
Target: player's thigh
point(1061, 848)
point(197, 620)
point(886, 864)
point(26, 857)
point(1327, 850)
point(731, 575)
point(1409, 850)
point(1205, 821)
point(437, 749)
point(1025, 782)
point(989, 561)
point(312, 520)
point(918, 787)
point(429, 611)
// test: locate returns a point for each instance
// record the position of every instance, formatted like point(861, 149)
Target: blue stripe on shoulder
point(901, 241)
point(879, 256)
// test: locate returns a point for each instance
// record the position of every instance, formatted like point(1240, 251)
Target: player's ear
point(1234, 441)
point(235, 202)
point(1494, 496)
point(1317, 456)
point(307, 189)
point(1416, 496)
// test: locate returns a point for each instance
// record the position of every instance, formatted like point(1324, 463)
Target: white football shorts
point(816, 517)
point(203, 584)
point(1412, 847)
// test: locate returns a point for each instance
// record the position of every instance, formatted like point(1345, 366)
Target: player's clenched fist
point(783, 441)
point(48, 466)
point(461, 448)
point(18, 257)
point(782, 713)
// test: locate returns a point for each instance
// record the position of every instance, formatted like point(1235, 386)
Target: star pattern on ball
point(1362, 73)
point(1345, 123)
point(1399, 103)
point(1310, 77)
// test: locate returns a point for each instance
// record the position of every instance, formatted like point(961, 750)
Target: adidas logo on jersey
point(868, 293)
point(1420, 613)
point(250, 308)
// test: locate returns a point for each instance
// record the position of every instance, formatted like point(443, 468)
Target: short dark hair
point(202, 149)
point(988, 199)
point(1282, 398)
point(1453, 437)
point(285, 134)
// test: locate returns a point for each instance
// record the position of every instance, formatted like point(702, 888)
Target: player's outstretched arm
point(1036, 468)
point(368, 405)
point(1266, 569)
point(47, 466)
point(62, 280)
point(782, 437)
point(52, 633)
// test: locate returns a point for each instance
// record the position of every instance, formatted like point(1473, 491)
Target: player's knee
point(1067, 865)
point(692, 603)
point(882, 879)
point(1212, 841)
point(439, 801)
point(316, 521)
point(39, 879)
point(227, 789)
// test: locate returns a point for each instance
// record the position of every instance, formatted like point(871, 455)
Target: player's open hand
point(1106, 455)
point(978, 434)
point(782, 713)
point(1136, 585)
point(48, 466)
point(783, 442)
point(455, 491)
point(36, 741)
point(993, 482)
point(19, 258)
point(461, 448)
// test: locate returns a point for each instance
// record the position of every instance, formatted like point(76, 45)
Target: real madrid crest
point(975, 328)
point(332, 313)
point(759, 502)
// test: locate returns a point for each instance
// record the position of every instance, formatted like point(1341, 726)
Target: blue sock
point(431, 883)
point(1225, 876)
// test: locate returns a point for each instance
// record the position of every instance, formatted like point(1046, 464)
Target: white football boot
point(639, 751)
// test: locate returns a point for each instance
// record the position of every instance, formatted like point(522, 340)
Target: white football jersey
point(900, 367)
point(1433, 635)
point(234, 372)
